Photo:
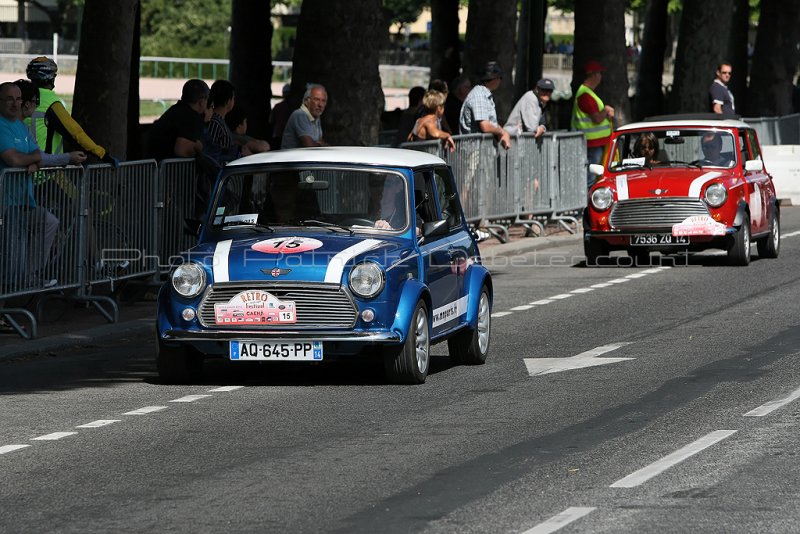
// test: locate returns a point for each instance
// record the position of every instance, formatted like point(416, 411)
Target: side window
point(447, 198)
point(743, 151)
point(423, 197)
point(755, 150)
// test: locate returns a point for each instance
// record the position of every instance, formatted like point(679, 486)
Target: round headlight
point(716, 195)
point(602, 197)
point(367, 279)
point(189, 279)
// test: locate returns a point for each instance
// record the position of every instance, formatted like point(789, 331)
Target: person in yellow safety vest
point(592, 117)
point(51, 122)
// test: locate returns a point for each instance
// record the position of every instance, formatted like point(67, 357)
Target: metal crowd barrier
point(783, 130)
point(179, 203)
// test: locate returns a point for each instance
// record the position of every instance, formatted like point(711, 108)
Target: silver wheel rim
point(746, 238)
point(776, 233)
point(421, 345)
point(484, 323)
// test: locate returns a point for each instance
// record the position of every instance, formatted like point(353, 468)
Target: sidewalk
point(66, 325)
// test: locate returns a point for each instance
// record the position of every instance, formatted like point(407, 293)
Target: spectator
point(427, 126)
point(410, 114)
point(30, 101)
point(438, 85)
point(236, 119)
point(528, 113)
point(591, 116)
point(646, 146)
point(178, 132)
point(51, 121)
point(18, 148)
point(304, 128)
point(218, 141)
point(459, 89)
point(719, 95)
point(478, 114)
point(280, 115)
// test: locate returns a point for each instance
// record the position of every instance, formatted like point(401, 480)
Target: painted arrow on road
point(544, 366)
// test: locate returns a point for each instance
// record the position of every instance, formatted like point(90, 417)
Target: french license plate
point(658, 239)
point(275, 350)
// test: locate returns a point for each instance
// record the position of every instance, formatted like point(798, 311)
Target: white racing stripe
point(333, 275)
point(561, 520)
point(220, 263)
point(54, 436)
point(769, 407)
point(697, 184)
point(11, 448)
point(646, 473)
point(622, 187)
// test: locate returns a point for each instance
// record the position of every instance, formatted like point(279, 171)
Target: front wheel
point(178, 365)
point(770, 246)
point(594, 249)
point(409, 364)
point(739, 251)
point(471, 346)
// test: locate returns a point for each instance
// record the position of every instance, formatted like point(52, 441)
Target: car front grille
point(317, 305)
point(654, 213)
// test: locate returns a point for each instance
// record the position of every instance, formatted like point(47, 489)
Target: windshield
point(334, 199)
point(673, 147)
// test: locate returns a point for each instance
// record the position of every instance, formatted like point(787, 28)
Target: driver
point(712, 150)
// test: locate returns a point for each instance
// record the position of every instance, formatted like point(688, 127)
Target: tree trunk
point(335, 47)
point(737, 52)
point(530, 49)
point(600, 35)
point(251, 62)
point(775, 59)
point(649, 94)
point(135, 145)
point(702, 45)
point(445, 53)
point(101, 82)
point(491, 36)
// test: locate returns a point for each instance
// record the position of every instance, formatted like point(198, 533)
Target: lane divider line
point(582, 290)
point(790, 234)
point(500, 314)
point(190, 398)
point(619, 280)
point(540, 302)
point(146, 410)
point(769, 407)
point(53, 436)
point(99, 423)
point(601, 285)
point(11, 448)
point(561, 520)
point(522, 308)
point(560, 296)
point(656, 468)
point(636, 275)
point(226, 388)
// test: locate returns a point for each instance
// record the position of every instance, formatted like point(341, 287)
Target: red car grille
point(654, 213)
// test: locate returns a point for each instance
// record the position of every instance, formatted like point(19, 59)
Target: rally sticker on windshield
point(286, 245)
point(698, 225)
point(255, 307)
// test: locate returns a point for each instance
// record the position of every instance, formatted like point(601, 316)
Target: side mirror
point(435, 228)
point(596, 169)
point(753, 165)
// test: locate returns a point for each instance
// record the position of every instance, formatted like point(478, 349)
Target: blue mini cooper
point(316, 253)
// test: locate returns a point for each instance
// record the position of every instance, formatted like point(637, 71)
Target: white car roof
point(725, 123)
point(359, 155)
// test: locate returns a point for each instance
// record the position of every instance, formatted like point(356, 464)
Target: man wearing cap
point(591, 116)
point(478, 114)
point(528, 113)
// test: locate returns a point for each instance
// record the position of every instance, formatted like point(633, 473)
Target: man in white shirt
point(304, 128)
point(528, 113)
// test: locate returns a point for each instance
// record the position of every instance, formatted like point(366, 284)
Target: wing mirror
point(596, 169)
point(753, 165)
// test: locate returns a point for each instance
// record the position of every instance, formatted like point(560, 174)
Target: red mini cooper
point(682, 183)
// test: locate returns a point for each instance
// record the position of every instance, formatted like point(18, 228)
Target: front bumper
point(325, 336)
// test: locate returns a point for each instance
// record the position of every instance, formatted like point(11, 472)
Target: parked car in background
point(316, 253)
point(682, 183)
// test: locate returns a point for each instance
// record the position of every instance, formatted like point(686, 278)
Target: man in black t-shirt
point(178, 132)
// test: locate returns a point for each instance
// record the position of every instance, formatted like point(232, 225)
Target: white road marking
point(226, 388)
point(11, 448)
point(541, 302)
point(618, 281)
point(500, 314)
point(561, 296)
point(544, 366)
point(561, 520)
point(636, 275)
point(146, 410)
point(790, 234)
point(652, 271)
point(646, 473)
point(771, 406)
point(54, 436)
point(99, 423)
point(600, 286)
point(582, 290)
point(522, 308)
point(190, 398)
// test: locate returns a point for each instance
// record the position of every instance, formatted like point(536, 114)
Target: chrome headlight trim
point(188, 279)
point(367, 279)
point(602, 198)
point(716, 194)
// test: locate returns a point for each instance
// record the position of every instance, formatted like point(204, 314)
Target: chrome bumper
point(226, 335)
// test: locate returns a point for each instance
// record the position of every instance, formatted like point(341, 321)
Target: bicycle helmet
point(41, 69)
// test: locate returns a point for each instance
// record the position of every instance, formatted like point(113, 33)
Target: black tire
point(739, 250)
point(640, 257)
point(471, 346)
point(594, 249)
point(770, 246)
point(178, 365)
point(410, 363)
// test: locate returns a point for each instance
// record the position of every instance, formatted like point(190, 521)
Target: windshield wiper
point(329, 225)
point(679, 162)
point(255, 226)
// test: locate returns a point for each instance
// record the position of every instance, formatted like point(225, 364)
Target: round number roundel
point(286, 245)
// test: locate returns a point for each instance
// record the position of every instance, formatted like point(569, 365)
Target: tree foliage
point(185, 28)
point(404, 12)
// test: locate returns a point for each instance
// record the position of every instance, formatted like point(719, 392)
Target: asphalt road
point(615, 399)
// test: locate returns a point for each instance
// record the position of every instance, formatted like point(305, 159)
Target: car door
point(760, 188)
